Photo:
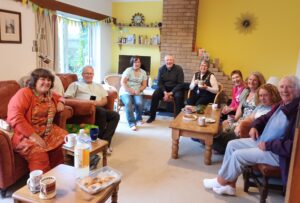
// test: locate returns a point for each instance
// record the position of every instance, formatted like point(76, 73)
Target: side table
point(96, 147)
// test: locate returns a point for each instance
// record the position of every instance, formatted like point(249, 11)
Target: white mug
point(214, 106)
point(201, 121)
point(48, 187)
point(33, 181)
point(70, 139)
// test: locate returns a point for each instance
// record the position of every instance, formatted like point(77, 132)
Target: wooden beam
point(67, 8)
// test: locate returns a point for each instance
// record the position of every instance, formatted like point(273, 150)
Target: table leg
point(114, 196)
point(104, 154)
point(208, 150)
point(175, 143)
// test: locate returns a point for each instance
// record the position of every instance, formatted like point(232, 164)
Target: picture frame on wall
point(10, 27)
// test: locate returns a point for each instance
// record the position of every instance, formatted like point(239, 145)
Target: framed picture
point(10, 27)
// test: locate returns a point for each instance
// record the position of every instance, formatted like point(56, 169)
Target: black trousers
point(159, 94)
point(107, 121)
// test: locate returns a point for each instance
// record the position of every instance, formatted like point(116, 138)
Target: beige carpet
point(151, 176)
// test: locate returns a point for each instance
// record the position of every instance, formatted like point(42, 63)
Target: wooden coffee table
point(96, 147)
point(67, 190)
point(184, 128)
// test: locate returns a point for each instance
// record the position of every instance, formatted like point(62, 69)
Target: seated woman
point(134, 81)
point(270, 142)
point(238, 87)
point(30, 112)
point(204, 86)
point(268, 96)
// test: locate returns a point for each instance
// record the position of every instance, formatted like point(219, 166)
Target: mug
point(70, 139)
point(201, 121)
point(48, 187)
point(33, 181)
point(230, 119)
point(214, 106)
point(94, 133)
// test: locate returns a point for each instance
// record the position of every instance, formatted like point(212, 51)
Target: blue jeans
point(133, 103)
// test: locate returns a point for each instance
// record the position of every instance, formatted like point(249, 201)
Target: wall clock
point(246, 23)
point(137, 19)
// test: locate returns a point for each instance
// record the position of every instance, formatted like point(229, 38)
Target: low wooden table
point(96, 147)
point(184, 128)
point(67, 190)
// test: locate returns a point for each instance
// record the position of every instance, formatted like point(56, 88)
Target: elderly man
point(170, 84)
point(86, 89)
point(271, 141)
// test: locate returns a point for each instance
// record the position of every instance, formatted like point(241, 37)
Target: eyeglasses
point(88, 73)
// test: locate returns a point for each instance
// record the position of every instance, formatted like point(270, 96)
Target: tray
point(99, 180)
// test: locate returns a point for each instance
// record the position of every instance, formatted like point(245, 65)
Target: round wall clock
point(138, 19)
point(246, 23)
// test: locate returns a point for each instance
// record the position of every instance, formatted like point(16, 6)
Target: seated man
point(170, 84)
point(86, 89)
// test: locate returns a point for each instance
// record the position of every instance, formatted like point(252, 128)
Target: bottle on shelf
point(81, 156)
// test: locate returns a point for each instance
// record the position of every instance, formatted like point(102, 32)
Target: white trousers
point(244, 152)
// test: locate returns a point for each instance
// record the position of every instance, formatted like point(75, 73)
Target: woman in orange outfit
point(30, 113)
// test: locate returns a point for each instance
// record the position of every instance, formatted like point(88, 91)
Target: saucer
point(69, 146)
point(49, 196)
point(189, 117)
point(210, 120)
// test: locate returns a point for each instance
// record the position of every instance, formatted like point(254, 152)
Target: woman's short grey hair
point(295, 82)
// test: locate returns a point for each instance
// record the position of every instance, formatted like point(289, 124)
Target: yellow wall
point(124, 12)
point(271, 48)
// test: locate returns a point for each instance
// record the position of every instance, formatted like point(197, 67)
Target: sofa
point(12, 166)
point(84, 111)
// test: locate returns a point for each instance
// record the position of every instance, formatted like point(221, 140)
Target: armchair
point(84, 112)
point(12, 166)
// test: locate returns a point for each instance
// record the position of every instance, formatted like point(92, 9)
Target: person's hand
point(262, 146)
point(196, 82)
point(60, 107)
point(237, 131)
point(137, 92)
point(253, 133)
point(131, 91)
point(226, 110)
point(37, 139)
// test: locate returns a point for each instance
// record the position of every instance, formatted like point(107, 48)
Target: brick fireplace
point(178, 38)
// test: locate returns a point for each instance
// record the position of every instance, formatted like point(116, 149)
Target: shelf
point(142, 45)
point(133, 26)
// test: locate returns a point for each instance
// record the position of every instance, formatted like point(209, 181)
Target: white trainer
point(225, 190)
point(211, 183)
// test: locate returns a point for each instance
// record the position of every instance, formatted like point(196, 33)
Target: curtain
point(95, 59)
point(45, 35)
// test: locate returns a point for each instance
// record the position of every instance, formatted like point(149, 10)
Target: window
point(76, 44)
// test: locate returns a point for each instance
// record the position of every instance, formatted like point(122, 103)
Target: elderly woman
point(30, 112)
point(204, 86)
point(238, 87)
point(134, 81)
point(270, 143)
point(268, 96)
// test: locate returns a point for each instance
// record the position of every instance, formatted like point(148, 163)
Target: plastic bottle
point(81, 156)
point(149, 81)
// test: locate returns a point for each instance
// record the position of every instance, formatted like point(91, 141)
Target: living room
point(271, 46)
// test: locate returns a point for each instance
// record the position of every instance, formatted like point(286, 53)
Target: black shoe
point(150, 120)
point(94, 160)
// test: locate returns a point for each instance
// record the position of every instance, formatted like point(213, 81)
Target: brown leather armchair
point(13, 166)
point(84, 111)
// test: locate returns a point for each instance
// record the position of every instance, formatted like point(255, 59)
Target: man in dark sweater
point(170, 85)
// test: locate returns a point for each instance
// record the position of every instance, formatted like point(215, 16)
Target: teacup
point(33, 181)
point(70, 139)
point(48, 187)
point(201, 121)
point(201, 83)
